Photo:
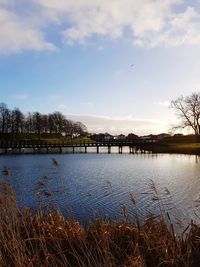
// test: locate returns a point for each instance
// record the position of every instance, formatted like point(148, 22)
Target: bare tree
point(18, 121)
point(29, 126)
point(15, 122)
point(4, 114)
point(68, 128)
point(59, 121)
point(37, 120)
point(45, 123)
point(188, 111)
point(79, 128)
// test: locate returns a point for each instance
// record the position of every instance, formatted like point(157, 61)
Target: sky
point(114, 65)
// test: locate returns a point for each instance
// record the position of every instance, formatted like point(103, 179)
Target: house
point(162, 136)
point(108, 137)
point(155, 136)
point(148, 137)
point(120, 137)
point(102, 137)
point(178, 135)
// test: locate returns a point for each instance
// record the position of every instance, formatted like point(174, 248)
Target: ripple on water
point(91, 183)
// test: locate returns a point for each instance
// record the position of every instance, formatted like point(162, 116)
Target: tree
point(51, 123)
point(4, 116)
point(59, 122)
point(37, 120)
point(68, 128)
point(17, 121)
point(29, 125)
point(188, 111)
point(79, 128)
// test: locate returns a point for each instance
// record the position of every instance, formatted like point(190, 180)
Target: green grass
point(174, 147)
point(80, 140)
point(74, 141)
point(49, 138)
point(182, 145)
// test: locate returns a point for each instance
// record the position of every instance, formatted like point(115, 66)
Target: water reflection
point(197, 158)
point(95, 183)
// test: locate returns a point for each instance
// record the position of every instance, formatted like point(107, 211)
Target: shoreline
point(170, 148)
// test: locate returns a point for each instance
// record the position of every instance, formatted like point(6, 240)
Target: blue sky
point(114, 65)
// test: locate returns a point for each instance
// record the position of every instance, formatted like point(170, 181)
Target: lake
point(86, 185)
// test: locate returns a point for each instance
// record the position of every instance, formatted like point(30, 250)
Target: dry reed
point(48, 239)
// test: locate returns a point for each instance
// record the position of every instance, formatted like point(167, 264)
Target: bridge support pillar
point(73, 149)
point(60, 150)
point(120, 149)
point(141, 150)
point(97, 149)
point(109, 149)
point(85, 149)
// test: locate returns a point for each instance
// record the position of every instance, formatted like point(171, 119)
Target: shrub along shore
point(49, 239)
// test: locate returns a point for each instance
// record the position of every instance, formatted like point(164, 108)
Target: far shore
point(189, 144)
point(176, 148)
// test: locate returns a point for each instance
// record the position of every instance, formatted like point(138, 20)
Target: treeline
point(16, 122)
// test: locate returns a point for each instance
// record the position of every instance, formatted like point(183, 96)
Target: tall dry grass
point(41, 238)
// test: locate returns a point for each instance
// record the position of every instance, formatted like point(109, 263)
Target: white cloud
point(20, 97)
point(182, 28)
point(16, 35)
point(117, 125)
point(150, 23)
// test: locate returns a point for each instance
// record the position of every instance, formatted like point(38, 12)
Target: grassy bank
point(188, 144)
point(181, 148)
point(48, 138)
point(49, 239)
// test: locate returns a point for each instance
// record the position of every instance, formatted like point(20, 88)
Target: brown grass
point(49, 239)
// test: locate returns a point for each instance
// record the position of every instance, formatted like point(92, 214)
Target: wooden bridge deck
point(44, 144)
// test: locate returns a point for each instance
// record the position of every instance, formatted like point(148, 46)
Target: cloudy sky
point(115, 65)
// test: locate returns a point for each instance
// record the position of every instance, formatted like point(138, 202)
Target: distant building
point(108, 137)
point(178, 134)
point(162, 136)
point(120, 137)
point(155, 136)
point(132, 136)
point(102, 137)
point(148, 137)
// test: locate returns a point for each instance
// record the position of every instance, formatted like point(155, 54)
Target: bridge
point(36, 145)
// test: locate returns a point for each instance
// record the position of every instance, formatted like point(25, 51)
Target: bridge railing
point(44, 143)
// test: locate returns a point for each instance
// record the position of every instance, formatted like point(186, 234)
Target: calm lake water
point(91, 184)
